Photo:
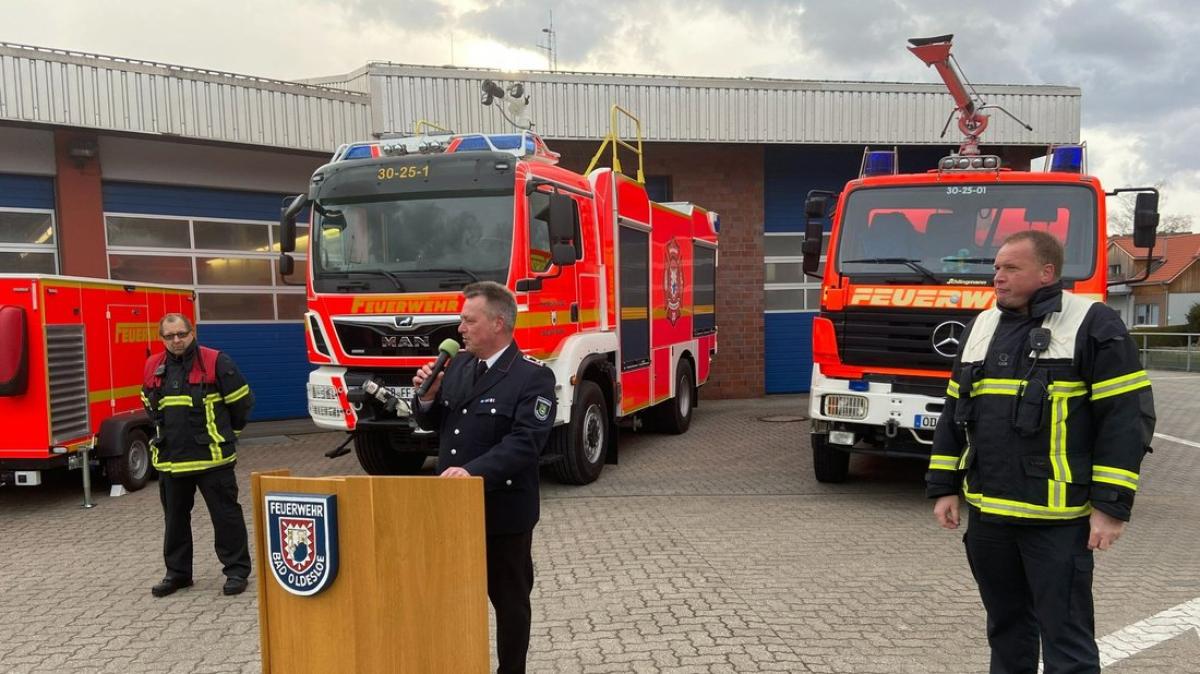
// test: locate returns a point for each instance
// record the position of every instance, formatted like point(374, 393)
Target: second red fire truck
point(910, 264)
point(615, 292)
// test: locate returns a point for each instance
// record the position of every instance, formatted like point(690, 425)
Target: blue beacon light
point(1067, 159)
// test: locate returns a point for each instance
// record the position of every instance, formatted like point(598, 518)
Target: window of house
point(786, 287)
point(1145, 314)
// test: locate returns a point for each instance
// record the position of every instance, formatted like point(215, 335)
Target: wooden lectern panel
point(410, 594)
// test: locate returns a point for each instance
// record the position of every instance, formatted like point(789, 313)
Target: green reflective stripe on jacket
point(1117, 476)
point(238, 394)
point(943, 462)
point(191, 466)
point(952, 389)
point(1010, 508)
point(1118, 385)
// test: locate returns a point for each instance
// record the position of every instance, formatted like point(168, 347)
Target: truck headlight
point(844, 406)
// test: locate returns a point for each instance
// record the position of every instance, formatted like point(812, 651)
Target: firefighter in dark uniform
point(199, 402)
point(1048, 415)
point(493, 409)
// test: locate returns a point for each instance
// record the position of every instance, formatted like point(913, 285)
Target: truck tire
point(131, 468)
point(829, 465)
point(584, 443)
point(387, 453)
point(674, 416)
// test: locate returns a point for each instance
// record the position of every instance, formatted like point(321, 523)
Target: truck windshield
point(954, 231)
point(415, 244)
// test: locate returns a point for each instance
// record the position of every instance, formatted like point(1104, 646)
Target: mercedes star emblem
point(946, 338)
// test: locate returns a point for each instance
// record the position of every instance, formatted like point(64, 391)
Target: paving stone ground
point(714, 551)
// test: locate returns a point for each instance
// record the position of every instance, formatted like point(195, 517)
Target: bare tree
point(1120, 215)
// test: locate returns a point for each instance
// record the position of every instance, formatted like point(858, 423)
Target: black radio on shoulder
point(1039, 339)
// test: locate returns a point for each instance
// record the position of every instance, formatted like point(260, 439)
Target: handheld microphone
point(446, 350)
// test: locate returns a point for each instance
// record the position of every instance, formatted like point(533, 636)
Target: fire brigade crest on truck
point(673, 282)
point(302, 541)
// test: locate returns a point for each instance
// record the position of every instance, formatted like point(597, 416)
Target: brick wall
point(728, 179)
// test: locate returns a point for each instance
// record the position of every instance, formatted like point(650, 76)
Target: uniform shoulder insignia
point(533, 360)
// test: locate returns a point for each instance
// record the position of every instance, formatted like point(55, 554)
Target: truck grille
point(66, 364)
point(890, 337)
point(381, 338)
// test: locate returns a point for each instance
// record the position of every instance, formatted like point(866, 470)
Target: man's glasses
point(170, 337)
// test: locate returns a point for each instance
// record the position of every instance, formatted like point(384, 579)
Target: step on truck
point(910, 263)
point(615, 292)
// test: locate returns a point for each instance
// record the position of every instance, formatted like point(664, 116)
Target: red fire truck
point(615, 292)
point(71, 357)
point(910, 263)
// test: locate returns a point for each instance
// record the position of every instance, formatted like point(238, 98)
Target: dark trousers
point(1036, 584)
point(510, 580)
point(220, 491)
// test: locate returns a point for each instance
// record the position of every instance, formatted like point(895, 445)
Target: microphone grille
point(449, 346)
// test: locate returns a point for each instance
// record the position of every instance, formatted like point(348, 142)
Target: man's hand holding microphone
point(428, 381)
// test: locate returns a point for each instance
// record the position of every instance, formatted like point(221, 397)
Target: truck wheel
point(584, 443)
point(387, 453)
point(675, 415)
point(829, 464)
point(131, 468)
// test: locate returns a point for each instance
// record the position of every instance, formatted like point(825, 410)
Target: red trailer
point(71, 358)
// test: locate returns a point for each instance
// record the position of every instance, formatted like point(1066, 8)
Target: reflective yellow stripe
point(210, 418)
point(634, 313)
point(952, 389)
point(1010, 508)
point(174, 401)
point(1117, 476)
point(238, 394)
point(188, 466)
point(1118, 385)
point(962, 461)
point(102, 395)
point(1008, 387)
point(943, 462)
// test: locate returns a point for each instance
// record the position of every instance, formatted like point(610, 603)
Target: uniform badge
point(541, 409)
point(302, 541)
point(533, 360)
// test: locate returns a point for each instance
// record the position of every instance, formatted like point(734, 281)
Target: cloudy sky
point(1136, 60)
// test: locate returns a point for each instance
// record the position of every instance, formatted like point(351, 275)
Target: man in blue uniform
point(493, 409)
point(1048, 415)
point(199, 402)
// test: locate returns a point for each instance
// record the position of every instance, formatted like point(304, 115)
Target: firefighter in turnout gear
point(199, 403)
point(494, 409)
point(1048, 415)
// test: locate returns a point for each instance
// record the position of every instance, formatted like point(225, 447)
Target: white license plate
point(404, 393)
point(928, 421)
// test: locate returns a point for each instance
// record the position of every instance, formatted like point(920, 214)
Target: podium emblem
point(302, 548)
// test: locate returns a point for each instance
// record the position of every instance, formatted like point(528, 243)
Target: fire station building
point(118, 168)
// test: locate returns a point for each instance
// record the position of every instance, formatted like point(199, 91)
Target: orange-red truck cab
point(910, 263)
point(615, 293)
point(72, 352)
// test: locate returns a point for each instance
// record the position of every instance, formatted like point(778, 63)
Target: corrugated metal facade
point(576, 106)
point(83, 90)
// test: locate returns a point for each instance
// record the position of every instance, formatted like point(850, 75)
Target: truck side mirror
point(814, 232)
point(287, 265)
point(564, 226)
point(287, 223)
point(1145, 220)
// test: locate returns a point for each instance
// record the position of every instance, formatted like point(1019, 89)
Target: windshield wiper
point(391, 276)
point(450, 270)
point(970, 260)
point(914, 265)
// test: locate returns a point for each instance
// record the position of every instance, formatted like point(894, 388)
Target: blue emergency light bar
point(1067, 159)
point(878, 163)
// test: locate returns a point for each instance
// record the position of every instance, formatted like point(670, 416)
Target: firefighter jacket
point(495, 426)
point(1045, 436)
point(199, 402)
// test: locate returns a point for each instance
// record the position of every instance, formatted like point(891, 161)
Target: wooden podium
point(410, 591)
